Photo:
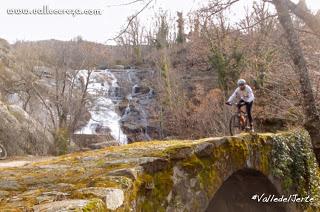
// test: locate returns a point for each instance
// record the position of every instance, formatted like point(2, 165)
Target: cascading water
point(103, 89)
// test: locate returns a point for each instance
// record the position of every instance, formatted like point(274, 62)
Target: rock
point(168, 175)
point(52, 196)
point(113, 197)
point(4, 194)
point(31, 193)
point(9, 185)
point(117, 67)
point(21, 134)
point(138, 105)
point(204, 150)
point(267, 124)
point(102, 67)
point(130, 173)
point(180, 153)
point(138, 89)
point(94, 141)
point(156, 165)
point(14, 164)
point(104, 144)
point(71, 205)
point(88, 158)
point(54, 166)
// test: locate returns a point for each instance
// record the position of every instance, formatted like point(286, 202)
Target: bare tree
point(132, 40)
point(313, 120)
point(302, 12)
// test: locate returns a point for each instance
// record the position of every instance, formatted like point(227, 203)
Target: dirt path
point(21, 161)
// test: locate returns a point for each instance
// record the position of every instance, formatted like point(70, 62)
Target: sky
point(99, 28)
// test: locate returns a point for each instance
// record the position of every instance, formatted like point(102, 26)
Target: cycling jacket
point(246, 94)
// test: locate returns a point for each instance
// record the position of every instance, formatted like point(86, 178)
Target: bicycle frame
point(238, 121)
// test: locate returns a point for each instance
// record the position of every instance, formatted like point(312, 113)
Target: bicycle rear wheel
point(234, 125)
point(3, 152)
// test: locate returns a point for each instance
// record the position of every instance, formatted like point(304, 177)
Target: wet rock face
point(173, 176)
point(138, 106)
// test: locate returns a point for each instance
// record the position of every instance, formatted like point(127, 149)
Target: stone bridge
point(213, 174)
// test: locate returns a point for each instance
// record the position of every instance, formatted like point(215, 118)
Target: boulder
point(112, 197)
point(105, 144)
point(71, 205)
point(118, 67)
point(21, 134)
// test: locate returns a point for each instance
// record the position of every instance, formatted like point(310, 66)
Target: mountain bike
point(239, 121)
point(3, 152)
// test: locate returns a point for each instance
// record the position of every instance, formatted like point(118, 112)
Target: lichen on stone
point(163, 175)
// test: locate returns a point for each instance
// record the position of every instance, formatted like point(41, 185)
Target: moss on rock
point(167, 175)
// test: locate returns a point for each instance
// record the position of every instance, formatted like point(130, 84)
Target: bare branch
point(256, 23)
point(125, 4)
point(302, 12)
point(217, 7)
point(130, 21)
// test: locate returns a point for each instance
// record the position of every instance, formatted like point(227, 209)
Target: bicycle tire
point(3, 152)
point(232, 125)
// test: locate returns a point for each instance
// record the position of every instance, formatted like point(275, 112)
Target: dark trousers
point(248, 109)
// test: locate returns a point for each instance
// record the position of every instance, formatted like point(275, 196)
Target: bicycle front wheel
point(234, 125)
point(3, 152)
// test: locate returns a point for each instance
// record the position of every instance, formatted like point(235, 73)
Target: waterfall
point(103, 91)
point(135, 117)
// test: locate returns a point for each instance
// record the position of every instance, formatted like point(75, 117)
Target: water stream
point(103, 88)
point(119, 104)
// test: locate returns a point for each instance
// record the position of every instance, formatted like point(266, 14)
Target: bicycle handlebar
point(236, 104)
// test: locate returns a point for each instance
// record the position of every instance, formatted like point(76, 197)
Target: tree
point(283, 8)
point(49, 76)
point(163, 31)
point(181, 37)
point(132, 40)
point(302, 12)
point(312, 117)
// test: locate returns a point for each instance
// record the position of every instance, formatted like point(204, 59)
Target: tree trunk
point(302, 12)
point(312, 123)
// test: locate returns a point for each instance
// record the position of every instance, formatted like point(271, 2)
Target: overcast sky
point(94, 28)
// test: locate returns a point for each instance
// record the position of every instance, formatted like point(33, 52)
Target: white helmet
point(241, 82)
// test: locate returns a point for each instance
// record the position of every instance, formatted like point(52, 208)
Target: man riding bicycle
point(245, 93)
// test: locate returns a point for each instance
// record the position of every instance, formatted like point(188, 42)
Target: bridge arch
point(203, 174)
point(235, 194)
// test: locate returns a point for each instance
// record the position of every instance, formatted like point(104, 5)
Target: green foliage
point(227, 66)
point(163, 31)
point(294, 163)
point(262, 65)
point(61, 140)
point(181, 37)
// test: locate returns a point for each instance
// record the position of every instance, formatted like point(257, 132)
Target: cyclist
point(246, 96)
